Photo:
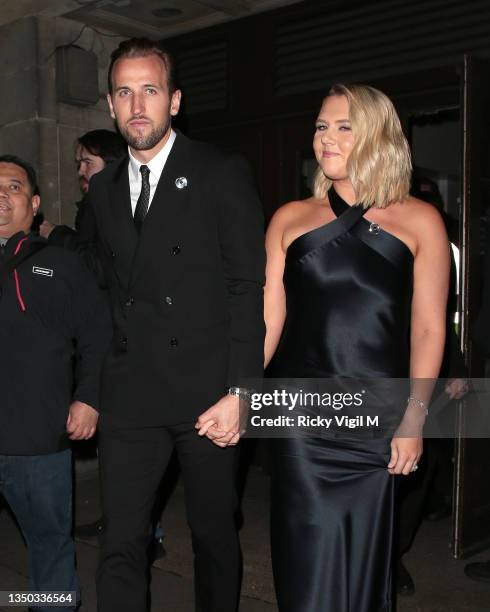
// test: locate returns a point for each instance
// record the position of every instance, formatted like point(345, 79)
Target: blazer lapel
point(168, 206)
point(122, 216)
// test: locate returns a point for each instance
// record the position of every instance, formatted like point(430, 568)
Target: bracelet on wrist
point(420, 403)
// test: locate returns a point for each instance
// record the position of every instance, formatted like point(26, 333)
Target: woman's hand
point(407, 443)
point(405, 455)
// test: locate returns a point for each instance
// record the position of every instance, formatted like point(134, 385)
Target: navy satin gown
point(348, 289)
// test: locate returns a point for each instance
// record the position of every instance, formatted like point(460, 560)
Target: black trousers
point(132, 463)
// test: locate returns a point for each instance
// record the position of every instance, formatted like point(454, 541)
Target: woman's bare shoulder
point(422, 223)
point(296, 218)
point(296, 209)
point(418, 213)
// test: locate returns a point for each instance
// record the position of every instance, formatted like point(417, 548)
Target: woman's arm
point(274, 294)
point(428, 329)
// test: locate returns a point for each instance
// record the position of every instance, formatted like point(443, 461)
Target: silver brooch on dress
point(374, 229)
point(181, 182)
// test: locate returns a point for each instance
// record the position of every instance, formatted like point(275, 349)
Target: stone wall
point(33, 124)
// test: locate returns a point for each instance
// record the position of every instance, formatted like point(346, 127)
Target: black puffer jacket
point(50, 308)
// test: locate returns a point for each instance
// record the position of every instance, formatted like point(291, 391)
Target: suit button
point(175, 250)
point(130, 301)
point(169, 300)
point(124, 341)
point(174, 342)
point(113, 254)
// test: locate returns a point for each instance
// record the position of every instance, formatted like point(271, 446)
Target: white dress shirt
point(155, 165)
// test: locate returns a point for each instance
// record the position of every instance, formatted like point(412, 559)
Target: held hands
point(82, 421)
point(221, 422)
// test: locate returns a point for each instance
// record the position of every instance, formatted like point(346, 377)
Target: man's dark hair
point(29, 170)
point(143, 47)
point(104, 143)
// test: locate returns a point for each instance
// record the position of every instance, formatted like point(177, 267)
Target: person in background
point(480, 335)
point(49, 301)
point(93, 151)
point(425, 494)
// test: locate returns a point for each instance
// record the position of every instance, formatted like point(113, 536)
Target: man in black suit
point(179, 236)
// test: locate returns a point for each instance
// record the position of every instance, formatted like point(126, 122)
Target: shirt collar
point(156, 164)
point(13, 241)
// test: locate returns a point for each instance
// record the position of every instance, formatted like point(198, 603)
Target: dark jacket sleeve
point(481, 328)
point(453, 365)
point(241, 234)
point(66, 237)
point(82, 241)
point(63, 236)
point(92, 333)
point(87, 243)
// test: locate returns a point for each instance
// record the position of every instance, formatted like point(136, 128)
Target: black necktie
point(144, 198)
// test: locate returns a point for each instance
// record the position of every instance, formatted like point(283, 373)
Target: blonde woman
point(356, 291)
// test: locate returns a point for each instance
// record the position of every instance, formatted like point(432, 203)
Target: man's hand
point(221, 422)
point(82, 421)
point(46, 228)
point(456, 388)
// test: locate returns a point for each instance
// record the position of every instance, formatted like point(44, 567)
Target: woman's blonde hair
point(379, 165)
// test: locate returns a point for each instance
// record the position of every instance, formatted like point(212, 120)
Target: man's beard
point(144, 143)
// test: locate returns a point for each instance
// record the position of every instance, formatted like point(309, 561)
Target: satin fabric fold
point(332, 525)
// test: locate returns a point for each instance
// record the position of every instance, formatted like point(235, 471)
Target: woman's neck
point(345, 190)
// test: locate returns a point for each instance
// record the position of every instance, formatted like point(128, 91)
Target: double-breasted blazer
point(187, 292)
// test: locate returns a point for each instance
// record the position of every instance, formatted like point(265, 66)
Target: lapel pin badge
point(181, 182)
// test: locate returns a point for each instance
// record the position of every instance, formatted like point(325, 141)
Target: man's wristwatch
point(241, 392)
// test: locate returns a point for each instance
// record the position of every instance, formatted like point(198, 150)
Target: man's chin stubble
point(145, 143)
